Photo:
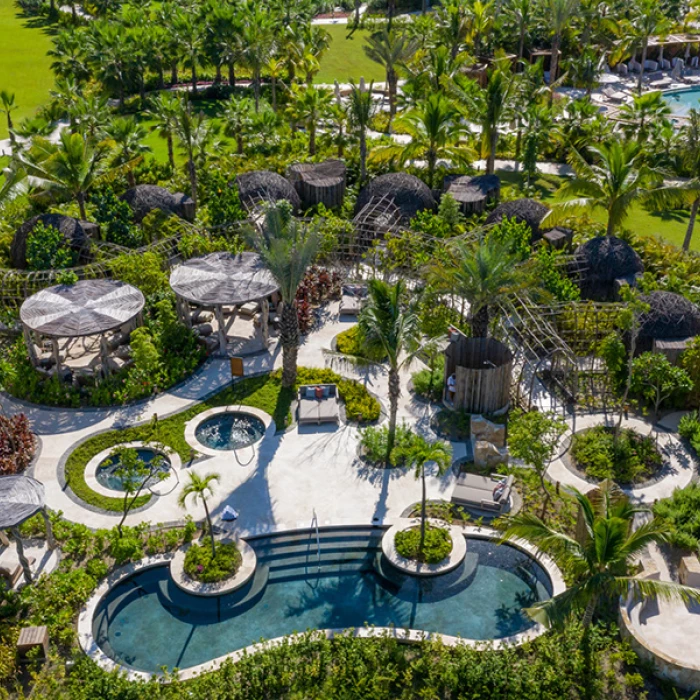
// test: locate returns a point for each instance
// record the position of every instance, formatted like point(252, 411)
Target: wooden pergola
point(86, 308)
point(223, 280)
point(22, 497)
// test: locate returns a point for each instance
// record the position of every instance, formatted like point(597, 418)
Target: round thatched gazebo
point(602, 265)
point(473, 193)
point(524, 210)
point(73, 313)
point(263, 186)
point(22, 497)
point(71, 229)
point(406, 193)
point(143, 199)
point(671, 317)
point(232, 286)
point(319, 183)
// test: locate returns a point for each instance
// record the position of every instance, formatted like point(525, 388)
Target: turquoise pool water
point(146, 622)
point(106, 473)
point(230, 431)
point(682, 101)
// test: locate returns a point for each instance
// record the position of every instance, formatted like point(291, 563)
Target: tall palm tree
point(600, 557)
point(128, 135)
point(389, 325)
point(435, 128)
point(200, 487)
point(257, 42)
point(189, 31)
point(108, 55)
point(163, 111)
point(558, 12)
point(66, 94)
point(70, 168)
point(416, 456)
point(521, 12)
point(483, 273)
point(361, 109)
point(287, 246)
point(91, 114)
point(648, 19)
point(7, 105)
point(239, 120)
point(390, 50)
point(310, 106)
point(454, 25)
point(69, 55)
point(613, 183)
point(643, 114)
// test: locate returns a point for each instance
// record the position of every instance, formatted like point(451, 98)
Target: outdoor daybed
point(318, 403)
point(352, 299)
point(483, 492)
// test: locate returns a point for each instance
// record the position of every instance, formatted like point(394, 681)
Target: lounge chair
point(318, 403)
point(615, 95)
point(352, 299)
point(651, 65)
point(483, 492)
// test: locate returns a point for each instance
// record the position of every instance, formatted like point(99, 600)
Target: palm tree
point(239, 120)
point(647, 20)
point(390, 50)
point(70, 168)
point(163, 111)
point(435, 129)
point(199, 487)
point(644, 113)
point(190, 36)
point(419, 453)
point(390, 327)
point(66, 94)
point(310, 106)
point(521, 11)
point(483, 274)
point(361, 109)
point(287, 246)
point(109, 55)
point(128, 135)
point(600, 557)
point(7, 105)
point(559, 13)
point(613, 183)
point(454, 26)
point(257, 42)
point(68, 52)
point(91, 114)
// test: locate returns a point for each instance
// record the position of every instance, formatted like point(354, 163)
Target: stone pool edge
point(92, 649)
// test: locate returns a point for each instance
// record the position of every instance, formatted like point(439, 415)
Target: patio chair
point(488, 493)
point(318, 403)
point(665, 64)
point(352, 299)
point(614, 95)
point(651, 65)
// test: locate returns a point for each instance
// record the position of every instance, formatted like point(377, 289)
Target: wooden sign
point(237, 367)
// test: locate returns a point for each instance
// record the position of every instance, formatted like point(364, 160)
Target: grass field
point(346, 59)
point(24, 65)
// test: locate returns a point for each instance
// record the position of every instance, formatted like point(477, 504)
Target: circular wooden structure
point(527, 211)
point(473, 193)
point(319, 183)
point(223, 280)
point(483, 369)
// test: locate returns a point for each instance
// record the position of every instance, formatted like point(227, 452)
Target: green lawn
point(24, 65)
point(670, 224)
point(346, 59)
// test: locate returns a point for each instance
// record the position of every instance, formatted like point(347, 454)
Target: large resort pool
point(146, 622)
point(682, 101)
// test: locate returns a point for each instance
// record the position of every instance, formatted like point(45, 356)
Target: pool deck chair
point(318, 403)
point(352, 299)
point(483, 493)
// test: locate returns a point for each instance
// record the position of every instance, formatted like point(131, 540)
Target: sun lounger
point(318, 403)
point(483, 492)
point(651, 65)
point(352, 299)
point(614, 95)
point(665, 64)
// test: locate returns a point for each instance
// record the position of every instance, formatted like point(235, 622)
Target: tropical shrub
point(200, 565)
point(429, 384)
point(374, 441)
point(47, 249)
point(17, 444)
point(437, 545)
point(681, 512)
point(114, 216)
point(351, 342)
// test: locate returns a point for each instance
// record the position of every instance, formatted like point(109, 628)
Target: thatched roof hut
point(524, 210)
point(406, 192)
point(473, 193)
point(21, 497)
point(143, 199)
point(319, 183)
point(70, 228)
point(670, 316)
point(602, 264)
point(265, 186)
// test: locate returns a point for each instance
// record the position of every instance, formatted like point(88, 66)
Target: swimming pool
point(230, 431)
point(682, 101)
point(107, 473)
point(146, 622)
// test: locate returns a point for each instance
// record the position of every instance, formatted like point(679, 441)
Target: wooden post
point(50, 539)
point(265, 323)
point(104, 355)
point(223, 344)
point(4, 541)
point(20, 555)
point(31, 350)
point(56, 357)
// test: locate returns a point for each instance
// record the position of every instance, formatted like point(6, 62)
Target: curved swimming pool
point(682, 101)
point(145, 622)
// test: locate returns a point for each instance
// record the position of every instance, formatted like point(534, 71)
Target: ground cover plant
point(17, 444)
point(202, 566)
point(437, 545)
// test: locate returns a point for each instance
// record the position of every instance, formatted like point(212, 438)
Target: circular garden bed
point(352, 344)
point(436, 547)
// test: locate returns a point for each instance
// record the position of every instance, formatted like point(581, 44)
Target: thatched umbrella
point(473, 193)
point(22, 497)
point(70, 228)
point(260, 186)
point(600, 262)
point(143, 199)
point(406, 192)
point(524, 210)
point(670, 316)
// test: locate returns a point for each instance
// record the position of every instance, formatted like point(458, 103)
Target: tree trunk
point(421, 544)
point(217, 76)
point(193, 178)
point(274, 94)
point(357, 12)
point(691, 224)
point(590, 609)
point(174, 78)
point(194, 79)
point(641, 68)
point(493, 143)
point(547, 495)
point(209, 526)
point(312, 138)
point(628, 382)
point(256, 90)
point(171, 154)
point(391, 81)
point(239, 143)
point(521, 43)
point(161, 76)
point(81, 205)
point(554, 62)
point(20, 555)
point(289, 339)
point(50, 539)
point(611, 225)
point(130, 178)
point(231, 74)
point(363, 155)
point(394, 394)
point(480, 322)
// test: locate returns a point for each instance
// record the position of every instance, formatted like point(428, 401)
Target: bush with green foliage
point(549, 276)
point(429, 383)
point(681, 512)
point(689, 426)
point(437, 545)
point(515, 234)
point(220, 195)
point(47, 249)
point(145, 271)
point(690, 362)
point(351, 342)
point(374, 440)
point(114, 216)
point(201, 566)
point(632, 458)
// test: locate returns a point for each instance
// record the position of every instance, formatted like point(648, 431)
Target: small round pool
point(107, 473)
point(682, 101)
point(230, 431)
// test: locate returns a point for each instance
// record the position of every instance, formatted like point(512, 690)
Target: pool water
point(106, 473)
point(230, 431)
point(682, 101)
point(146, 622)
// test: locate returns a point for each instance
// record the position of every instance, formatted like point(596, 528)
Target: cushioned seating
point(483, 492)
point(352, 299)
point(318, 404)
